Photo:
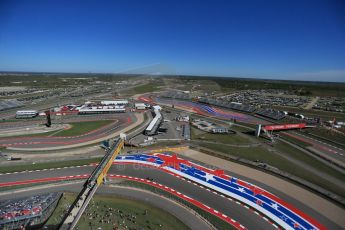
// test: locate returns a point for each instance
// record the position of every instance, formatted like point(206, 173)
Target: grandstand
point(177, 95)
point(241, 107)
point(155, 123)
point(29, 212)
point(117, 102)
point(211, 101)
point(228, 105)
point(89, 109)
point(9, 104)
point(271, 113)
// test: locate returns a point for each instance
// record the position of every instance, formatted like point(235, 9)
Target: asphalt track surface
point(183, 214)
point(206, 110)
point(230, 208)
point(121, 120)
point(330, 151)
point(56, 119)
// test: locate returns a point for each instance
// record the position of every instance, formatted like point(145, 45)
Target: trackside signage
point(285, 126)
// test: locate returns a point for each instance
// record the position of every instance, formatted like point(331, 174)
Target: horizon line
point(170, 75)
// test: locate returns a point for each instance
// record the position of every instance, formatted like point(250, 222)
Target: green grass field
point(241, 129)
point(145, 88)
point(295, 141)
point(328, 134)
point(47, 165)
point(215, 221)
point(78, 128)
point(108, 212)
point(197, 134)
point(303, 88)
point(250, 153)
point(11, 120)
point(309, 160)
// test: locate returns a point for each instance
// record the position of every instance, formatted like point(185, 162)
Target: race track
point(120, 121)
point(229, 206)
point(205, 110)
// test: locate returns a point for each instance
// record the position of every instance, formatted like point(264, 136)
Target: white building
point(101, 109)
point(117, 102)
point(157, 107)
point(152, 128)
point(26, 113)
point(140, 106)
point(209, 126)
point(183, 118)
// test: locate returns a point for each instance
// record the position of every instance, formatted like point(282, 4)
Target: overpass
point(90, 187)
point(286, 127)
point(268, 129)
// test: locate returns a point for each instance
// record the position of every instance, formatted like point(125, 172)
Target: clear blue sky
point(286, 39)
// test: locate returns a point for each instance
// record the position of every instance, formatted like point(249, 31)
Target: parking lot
point(169, 130)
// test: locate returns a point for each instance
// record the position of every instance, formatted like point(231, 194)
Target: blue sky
point(285, 39)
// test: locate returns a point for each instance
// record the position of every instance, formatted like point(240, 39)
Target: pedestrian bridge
point(96, 179)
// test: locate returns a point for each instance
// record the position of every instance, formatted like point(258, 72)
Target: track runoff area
point(274, 210)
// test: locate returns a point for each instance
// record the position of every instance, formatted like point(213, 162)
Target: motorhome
point(26, 114)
